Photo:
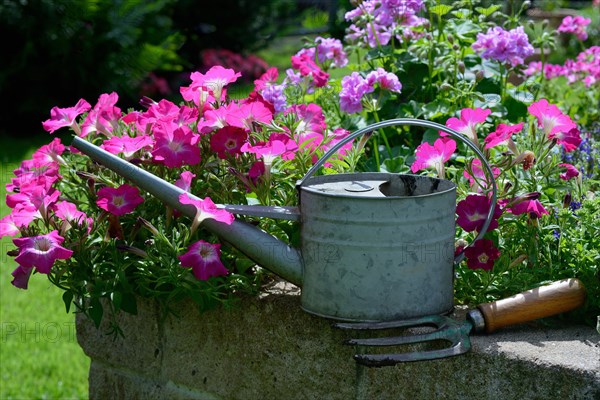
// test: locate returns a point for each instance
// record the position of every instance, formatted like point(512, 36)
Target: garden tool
point(374, 246)
point(544, 301)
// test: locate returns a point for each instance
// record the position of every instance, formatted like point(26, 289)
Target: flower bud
point(455, 47)
point(450, 38)
point(528, 159)
point(444, 87)
point(461, 67)
point(567, 200)
point(479, 75)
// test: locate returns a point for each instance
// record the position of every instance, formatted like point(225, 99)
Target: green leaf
point(463, 13)
point(489, 10)
point(67, 299)
point(129, 303)
point(466, 29)
point(95, 311)
point(116, 298)
point(395, 165)
point(441, 9)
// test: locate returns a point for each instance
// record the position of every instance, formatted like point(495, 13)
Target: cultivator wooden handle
point(544, 301)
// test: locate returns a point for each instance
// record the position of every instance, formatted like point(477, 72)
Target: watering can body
point(374, 246)
point(377, 246)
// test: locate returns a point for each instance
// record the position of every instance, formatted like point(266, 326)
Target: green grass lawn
point(39, 354)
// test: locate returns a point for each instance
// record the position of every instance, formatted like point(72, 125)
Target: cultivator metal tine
point(436, 321)
point(384, 360)
point(447, 329)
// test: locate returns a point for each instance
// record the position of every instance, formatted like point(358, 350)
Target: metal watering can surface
point(374, 246)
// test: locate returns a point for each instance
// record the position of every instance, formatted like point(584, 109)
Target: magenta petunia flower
point(433, 156)
point(529, 206)
point(204, 259)
point(61, 117)
point(127, 145)
point(176, 148)
point(466, 125)
point(472, 213)
point(482, 255)
point(550, 118)
point(228, 141)
point(571, 172)
point(503, 135)
point(206, 209)
point(41, 251)
point(119, 201)
point(569, 140)
point(479, 176)
point(21, 277)
point(267, 79)
point(576, 25)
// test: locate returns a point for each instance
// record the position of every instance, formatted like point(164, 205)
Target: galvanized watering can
point(374, 246)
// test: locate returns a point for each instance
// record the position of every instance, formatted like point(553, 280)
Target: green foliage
point(63, 50)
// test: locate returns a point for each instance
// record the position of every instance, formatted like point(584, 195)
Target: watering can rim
point(308, 188)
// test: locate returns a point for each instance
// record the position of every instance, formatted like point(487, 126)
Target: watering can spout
point(261, 247)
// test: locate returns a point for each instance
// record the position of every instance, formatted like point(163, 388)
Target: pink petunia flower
point(119, 201)
point(472, 213)
point(334, 138)
point(267, 151)
point(8, 226)
point(127, 145)
point(307, 67)
point(68, 212)
point(248, 114)
point(104, 116)
point(550, 118)
point(482, 255)
point(41, 251)
point(214, 81)
point(204, 259)
point(466, 125)
point(434, 156)
point(571, 172)
point(21, 277)
point(206, 209)
point(61, 117)
point(267, 79)
point(185, 181)
point(503, 135)
point(176, 148)
point(49, 154)
point(228, 141)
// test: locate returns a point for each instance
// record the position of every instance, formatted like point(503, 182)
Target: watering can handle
point(424, 124)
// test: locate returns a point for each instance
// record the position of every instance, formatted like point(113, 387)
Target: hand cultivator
point(536, 303)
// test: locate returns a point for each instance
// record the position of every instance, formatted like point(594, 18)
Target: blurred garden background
point(55, 52)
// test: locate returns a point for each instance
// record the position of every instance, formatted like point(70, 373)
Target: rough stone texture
point(270, 348)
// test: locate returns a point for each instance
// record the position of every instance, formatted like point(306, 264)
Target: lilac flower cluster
point(586, 68)
point(497, 44)
point(327, 49)
point(375, 22)
point(354, 87)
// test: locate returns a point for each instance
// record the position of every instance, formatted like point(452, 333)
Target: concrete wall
point(269, 348)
